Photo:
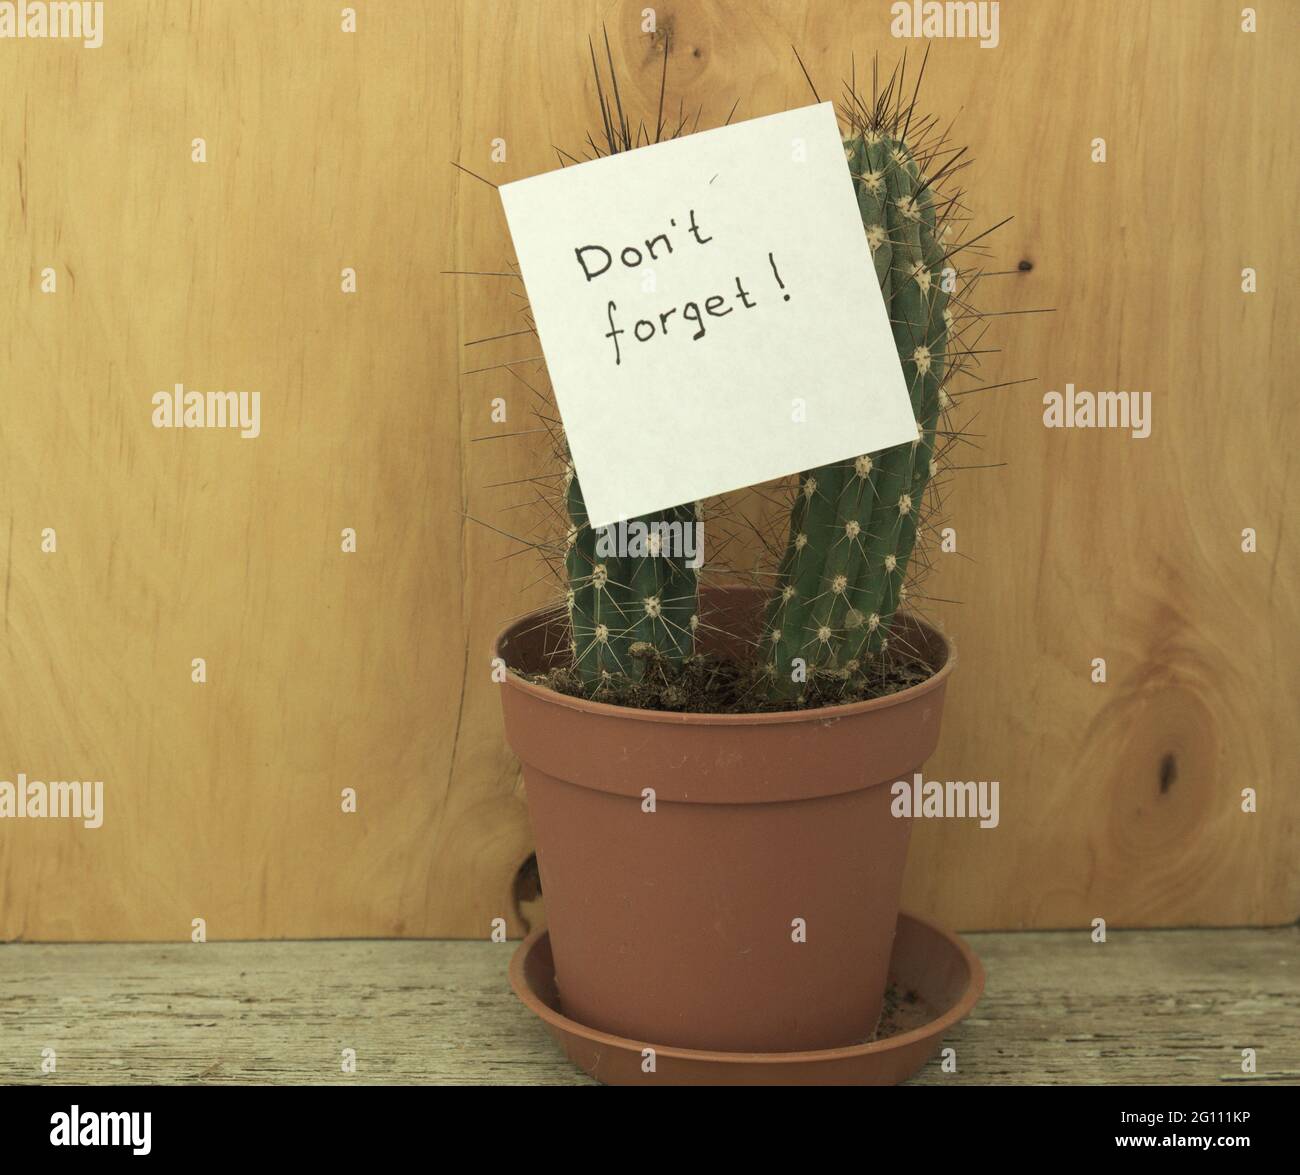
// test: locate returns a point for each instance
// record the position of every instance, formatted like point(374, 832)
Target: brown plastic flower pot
point(752, 906)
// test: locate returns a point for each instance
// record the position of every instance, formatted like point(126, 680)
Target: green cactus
point(854, 524)
point(627, 607)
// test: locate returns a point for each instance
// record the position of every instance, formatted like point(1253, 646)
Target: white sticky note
point(709, 312)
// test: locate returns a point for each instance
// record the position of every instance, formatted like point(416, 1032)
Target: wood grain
point(370, 670)
point(1146, 1007)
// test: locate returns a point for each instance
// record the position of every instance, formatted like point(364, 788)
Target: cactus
point(853, 524)
point(625, 608)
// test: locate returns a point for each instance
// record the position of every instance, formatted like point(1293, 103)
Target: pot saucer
point(936, 976)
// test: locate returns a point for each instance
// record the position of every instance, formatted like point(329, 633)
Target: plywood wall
point(328, 669)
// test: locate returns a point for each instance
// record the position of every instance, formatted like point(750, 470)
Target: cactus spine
point(627, 605)
point(854, 524)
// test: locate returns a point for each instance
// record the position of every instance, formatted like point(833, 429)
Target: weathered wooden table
point(1145, 1007)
